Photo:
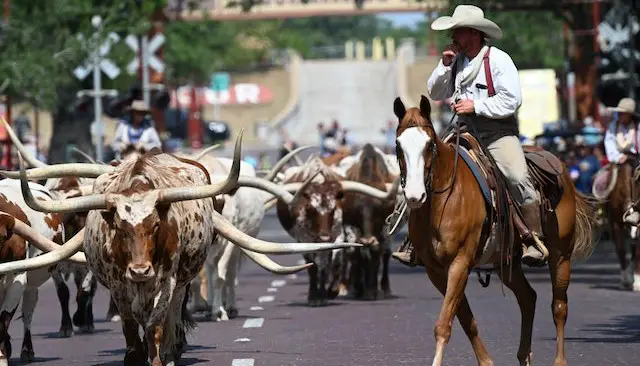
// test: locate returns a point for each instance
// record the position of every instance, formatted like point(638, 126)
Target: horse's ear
point(425, 107)
point(399, 109)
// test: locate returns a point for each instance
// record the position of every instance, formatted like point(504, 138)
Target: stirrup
point(404, 258)
point(536, 253)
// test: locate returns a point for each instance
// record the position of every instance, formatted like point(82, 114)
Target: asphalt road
point(275, 327)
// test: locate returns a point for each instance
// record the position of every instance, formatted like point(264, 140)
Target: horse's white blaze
point(413, 141)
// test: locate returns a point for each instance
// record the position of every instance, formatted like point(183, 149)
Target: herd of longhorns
point(148, 226)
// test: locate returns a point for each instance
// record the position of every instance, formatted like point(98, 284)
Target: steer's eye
point(340, 195)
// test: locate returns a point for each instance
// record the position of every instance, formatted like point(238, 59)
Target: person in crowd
point(137, 131)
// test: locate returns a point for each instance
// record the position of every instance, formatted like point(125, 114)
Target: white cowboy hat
point(625, 105)
point(139, 106)
point(468, 16)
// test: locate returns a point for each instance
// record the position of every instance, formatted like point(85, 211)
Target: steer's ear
point(218, 204)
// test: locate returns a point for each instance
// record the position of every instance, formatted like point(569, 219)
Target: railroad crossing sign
point(106, 65)
point(153, 46)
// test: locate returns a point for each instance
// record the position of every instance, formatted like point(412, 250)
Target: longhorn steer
point(22, 285)
point(364, 218)
point(150, 225)
point(314, 214)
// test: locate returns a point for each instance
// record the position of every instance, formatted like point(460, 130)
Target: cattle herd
point(152, 226)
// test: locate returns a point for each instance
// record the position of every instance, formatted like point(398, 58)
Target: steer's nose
point(140, 272)
point(324, 238)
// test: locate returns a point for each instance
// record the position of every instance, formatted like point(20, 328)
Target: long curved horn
point(234, 235)
point(84, 155)
point(271, 266)
point(206, 151)
point(268, 205)
point(357, 187)
point(63, 252)
point(74, 204)
point(80, 170)
point(298, 160)
point(279, 191)
point(285, 159)
point(37, 240)
point(18, 144)
point(169, 195)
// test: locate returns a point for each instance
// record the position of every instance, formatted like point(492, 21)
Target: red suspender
point(487, 74)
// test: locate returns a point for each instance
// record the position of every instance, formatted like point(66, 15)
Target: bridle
point(432, 145)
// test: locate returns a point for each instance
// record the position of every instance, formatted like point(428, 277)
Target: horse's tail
point(583, 237)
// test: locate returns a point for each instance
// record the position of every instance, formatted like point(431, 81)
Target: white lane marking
point(272, 289)
point(292, 276)
point(278, 283)
point(256, 308)
point(302, 262)
point(242, 340)
point(253, 323)
point(265, 299)
point(242, 362)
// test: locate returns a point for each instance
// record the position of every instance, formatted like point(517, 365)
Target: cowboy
point(489, 105)
point(137, 131)
point(621, 143)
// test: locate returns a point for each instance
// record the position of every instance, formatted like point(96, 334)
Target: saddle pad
point(604, 181)
point(475, 169)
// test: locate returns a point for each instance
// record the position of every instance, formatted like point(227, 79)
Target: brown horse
point(446, 223)
point(618, 201)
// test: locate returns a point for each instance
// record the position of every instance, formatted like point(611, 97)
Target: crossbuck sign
point(154, 44)
point(106, 65)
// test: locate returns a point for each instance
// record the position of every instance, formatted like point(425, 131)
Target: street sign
point(153, 46)
point(220, 81)
point(106, 65)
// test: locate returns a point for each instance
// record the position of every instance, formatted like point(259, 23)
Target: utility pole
point(6, 10)
point(98, 63)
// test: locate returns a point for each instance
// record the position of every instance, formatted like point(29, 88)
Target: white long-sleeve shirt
point(148, 139)
point(506, 82)
point(611, 145)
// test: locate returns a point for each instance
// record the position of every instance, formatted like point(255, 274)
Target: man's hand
point(622, 159)
point(464, 106)
point(448, 54)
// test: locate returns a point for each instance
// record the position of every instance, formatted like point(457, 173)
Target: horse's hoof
point(27, 356)
point(114, 318)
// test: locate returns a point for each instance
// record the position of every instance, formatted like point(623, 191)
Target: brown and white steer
point(364, 220)
point(150, 226)
point(315, 215)
point(22, 285)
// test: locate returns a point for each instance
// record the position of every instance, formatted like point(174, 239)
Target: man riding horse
point(488, 101)
point(621, 145)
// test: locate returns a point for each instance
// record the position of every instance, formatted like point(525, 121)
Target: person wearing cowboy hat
point(487, 100)
point(137, 131)
point(621, 144)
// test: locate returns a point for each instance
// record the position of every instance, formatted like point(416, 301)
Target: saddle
point(545, 171)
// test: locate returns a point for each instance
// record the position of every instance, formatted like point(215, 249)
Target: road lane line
point(272, 289)
point(262, 299)
point(256, 308)
point(253, 323)
point(278, 283)
point(242, 362)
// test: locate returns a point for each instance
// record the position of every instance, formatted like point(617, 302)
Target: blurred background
point(295, 72)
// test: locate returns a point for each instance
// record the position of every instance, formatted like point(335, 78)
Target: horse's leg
point(464, 314)
point(560, 268)
point(635, 259)
point(618, 237)
point(526, 297)
point(457, 276)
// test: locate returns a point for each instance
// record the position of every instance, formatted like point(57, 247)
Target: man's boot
point(405, 254)
point(631, 217)
point(536, 253)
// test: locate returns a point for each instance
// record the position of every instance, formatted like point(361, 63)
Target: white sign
point(154, 44)
point(241, 93)
point(106, 65)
